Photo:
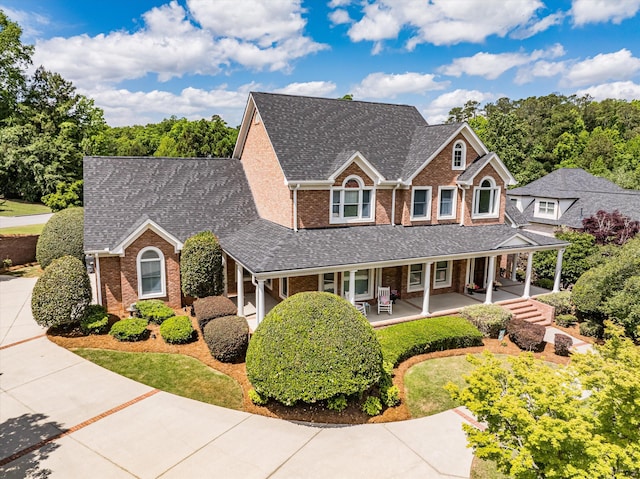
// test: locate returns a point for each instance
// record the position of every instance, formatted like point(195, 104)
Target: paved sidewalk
point(62, 416)
point(11, 221)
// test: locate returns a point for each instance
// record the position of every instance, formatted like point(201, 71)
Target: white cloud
point(378, 23)
point(540, 69)
point(312, 88)
point(339, 3)
point(597, 11)
point(538, 26)
point(383, 85)
point(30, 22)
point(339, 17)
point(620, 65)
point(438, 110)
point(626, 90)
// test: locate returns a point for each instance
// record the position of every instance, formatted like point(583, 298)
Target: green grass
point(481, 469)
point(21, 208)
point(34, 271)
point(173, 373)
point(22, 230)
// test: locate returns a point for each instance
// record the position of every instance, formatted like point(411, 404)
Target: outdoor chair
point(384, 299)
point(362, 307)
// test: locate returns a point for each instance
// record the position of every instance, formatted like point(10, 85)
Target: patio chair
point(362, 308)
point(384, 299)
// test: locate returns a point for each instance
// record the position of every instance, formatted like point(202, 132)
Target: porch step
point(526, 310)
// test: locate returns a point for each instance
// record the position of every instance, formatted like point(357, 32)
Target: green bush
point(63, 235)
point(544, 283)
point(337, 403)
point(227, 338)
point(201, 266)
point(311, 347)
point(213, 307)
point(177, 330)
point(390, 396)
point(560, 301)
point(592, 329)
point(132, 329)
point(401, 341)
point(566, 320)
point(372, 406)
point(154, 310)
point(66, 195)
point(257, 398)
point(96, 320)
point(488, 318)
point(63, 292)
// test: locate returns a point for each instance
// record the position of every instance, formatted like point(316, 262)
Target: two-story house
point(320, 194)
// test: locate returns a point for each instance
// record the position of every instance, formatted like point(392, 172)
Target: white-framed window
point(546, 209)
point(486, 199)
point(327, 282)
point(364, 284)
point(447, 202)
point(152, 278)
point(415, 281)
point(442, 274)
point(421, 203)
point(268, 283)
point(352, 202)
point(458, 156)
point(284, 288)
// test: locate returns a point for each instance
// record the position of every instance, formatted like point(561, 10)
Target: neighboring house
point(566, 196)
point(321, 194)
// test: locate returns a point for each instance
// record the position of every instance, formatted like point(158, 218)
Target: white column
point(491, 277)
point(514, 267)
point(240, 289)
point(527, 279)
point(260, 301)
point(467, 272)
point(556, 279)
point(426, 288)
point(352, 286)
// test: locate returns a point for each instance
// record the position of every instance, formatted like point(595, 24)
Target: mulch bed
point(71, 339)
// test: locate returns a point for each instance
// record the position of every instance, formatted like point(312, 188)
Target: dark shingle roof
point(424, 143)
point(566, 183)
point(182, 195)
point(474, 168)
point(264, 247)
point(515, 215)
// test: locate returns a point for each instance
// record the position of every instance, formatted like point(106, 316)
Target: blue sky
point(144, 60)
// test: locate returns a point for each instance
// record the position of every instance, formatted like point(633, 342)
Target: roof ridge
point(331, 99)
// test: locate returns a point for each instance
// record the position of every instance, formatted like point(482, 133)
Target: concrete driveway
point(62, 416)
point(11, 221)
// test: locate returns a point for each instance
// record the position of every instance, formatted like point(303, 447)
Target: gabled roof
point(467, 177)
point(566, 183)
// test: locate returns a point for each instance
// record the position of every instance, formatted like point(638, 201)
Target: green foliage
point(390, 396)
point(227, 338)
point(337, 403)
point(96, 320)
point(257, 398)
point(131, 329)
point(544, 283)
point(592, 329)
point(15, 58)
point(401, 341)
point(560, 301)
point(201, 266)
point(62, 235)
point(488, 318)
point(66, 196)
point(154, 310)
point(311, 347)
point(566, 320)
point(177, 330)
point(575, 260)
point(61, 295)
point(372, 406)
point(213, 307)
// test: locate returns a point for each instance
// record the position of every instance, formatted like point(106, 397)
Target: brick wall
point(299, 284)
point(488, 170)
point(110, 284)
point(20, 249)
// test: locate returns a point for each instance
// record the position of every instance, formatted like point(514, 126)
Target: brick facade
point(20, 249)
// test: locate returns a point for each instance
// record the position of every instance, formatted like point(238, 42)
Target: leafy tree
point(201, 266)
point(66, 195)
point(613, 227)
point(15, 57)
point(62, 235)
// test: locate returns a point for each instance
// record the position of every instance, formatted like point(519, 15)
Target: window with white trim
point(546, 209)
point(486, 199)
point(458, 156)
point(352, 202)
point(284, 287)
point(327, 282)
point(268, 283)
point(151, 273)
point(447, 203)
point(364, 284)
point(442, 274)
point(416, 277)
point(421, 203)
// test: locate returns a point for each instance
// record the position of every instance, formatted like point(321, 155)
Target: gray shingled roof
point(182, 195)
point(424, 143)
point(566, 183)
point(474, 168)
point(515, 215)
point(265, 247)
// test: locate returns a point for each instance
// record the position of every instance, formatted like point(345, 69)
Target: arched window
point(459, 153)
point(151, 273)
point(486, 198)
point(351, 202)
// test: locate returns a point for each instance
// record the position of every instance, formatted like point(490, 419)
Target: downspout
point(295, 208)
point(98, 281)
point(393, 204)
point(464, 199)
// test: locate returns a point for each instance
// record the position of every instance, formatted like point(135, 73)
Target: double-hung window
point(416, 277)
point(352, 202)
point(458, 157)
point(363, 284)
point(486, 199)
point(447, 203)
point(327, 282)
point(151, 273)
point(284, 288)
point(442, 274)
point(421, 204)
point(546, 209)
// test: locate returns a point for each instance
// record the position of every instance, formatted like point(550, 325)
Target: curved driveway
point(62, 416)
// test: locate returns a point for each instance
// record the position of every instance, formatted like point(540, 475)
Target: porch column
point(240, 288)
point(426, 288)
point(527, 279)
point(467, 278)
point(352, 286)
point(260, 301)
point(556, 279)
point(491, 277)
point(514, 267)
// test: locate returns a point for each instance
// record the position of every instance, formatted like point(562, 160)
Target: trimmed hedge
point(213, 307)
point(311, 347)
point(177, 330)
point(63, 235)
point(566, 320)
point(527, 336)
point(488, 318)
point(560, 301)
point(96, 320)
point(562, 344)
point(131, 329)
point(154, 310)
point(227, 338)
point(401, 341)
point(592, 329)
point(63, 292)
point(201, 266)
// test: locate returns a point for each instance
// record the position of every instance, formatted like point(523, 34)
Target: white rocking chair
point(384, 300)
point(362, 308)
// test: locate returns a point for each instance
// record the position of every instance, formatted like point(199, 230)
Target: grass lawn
point(481, 469)
point(34, 271)
point(173, 373)
point(22, 230)
point(21, 208)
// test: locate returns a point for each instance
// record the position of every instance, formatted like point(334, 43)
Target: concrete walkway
point(62, 416)
point(11, 221)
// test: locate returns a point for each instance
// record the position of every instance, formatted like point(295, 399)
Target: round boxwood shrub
point(201, 266)
point(560, 301)
point(177, 330)
point(96, 320)
point(311, 347)
point(488, 318)
point(592, 329)
point(154, 310)
point(213, 307)
point(227, 338)
point(566, 320)
point(131, 329)
point(62, 294)
point(62, 235)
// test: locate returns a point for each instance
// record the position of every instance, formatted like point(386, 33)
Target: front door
point(479, 273)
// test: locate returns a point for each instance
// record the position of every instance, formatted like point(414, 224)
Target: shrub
point(213, 307)
point(201, 266)
point(257, 398)
point(154, 310)
point(311, 347)
point(488, 318)
point(566, 320)
point(592, 329)
point(527, 336)
point(545, 283)
point(337, 403)
point(560, 301)
point(401, 341)
point(372, 406)
point(63, 235)
point(96, 320)
point(562, 344)
point(132, 329)
point(390, 396)
point(66, 195)
point(62, 294)
point(227, 338)
point(177, 330)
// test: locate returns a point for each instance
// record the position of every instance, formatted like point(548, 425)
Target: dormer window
point(486, 199)
point(351, 202)
point(546, 209)
point(459, 154)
